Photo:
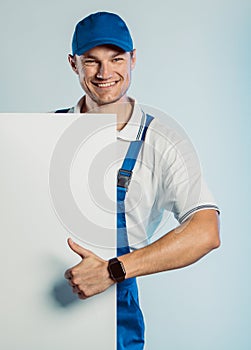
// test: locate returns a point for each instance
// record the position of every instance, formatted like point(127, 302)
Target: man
point(103, 57)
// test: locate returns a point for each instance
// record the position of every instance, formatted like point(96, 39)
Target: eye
point(118, 59)
point(90, 62)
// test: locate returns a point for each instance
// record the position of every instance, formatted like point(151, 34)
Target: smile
point(105, 85)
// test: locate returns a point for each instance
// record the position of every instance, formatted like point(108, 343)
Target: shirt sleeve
point(183, 188)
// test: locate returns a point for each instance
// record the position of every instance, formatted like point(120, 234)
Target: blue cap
point(101, 28)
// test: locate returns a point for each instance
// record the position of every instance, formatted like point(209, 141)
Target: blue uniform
point(130, 321)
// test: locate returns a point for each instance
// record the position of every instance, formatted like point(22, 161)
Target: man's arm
point(180, 247)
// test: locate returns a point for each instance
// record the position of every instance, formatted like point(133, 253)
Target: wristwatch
point(116, 270)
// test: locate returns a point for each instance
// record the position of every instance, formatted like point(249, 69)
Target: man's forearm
point(180, 247)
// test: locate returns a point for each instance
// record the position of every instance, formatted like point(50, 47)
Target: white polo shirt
point(166, 178)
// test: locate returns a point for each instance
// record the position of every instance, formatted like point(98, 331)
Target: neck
point(123, 110)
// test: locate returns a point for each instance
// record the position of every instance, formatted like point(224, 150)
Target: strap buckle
point(124, 178)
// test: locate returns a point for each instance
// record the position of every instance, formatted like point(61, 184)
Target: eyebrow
point(90, 56)
point(96, 58)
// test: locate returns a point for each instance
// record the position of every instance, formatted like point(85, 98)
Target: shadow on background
point(63, 295)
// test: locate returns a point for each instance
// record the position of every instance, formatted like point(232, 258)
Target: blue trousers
point(130, 322)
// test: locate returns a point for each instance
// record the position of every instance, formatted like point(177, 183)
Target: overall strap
point(123, 181)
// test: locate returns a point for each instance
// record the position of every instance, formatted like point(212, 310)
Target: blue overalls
point(130, 322)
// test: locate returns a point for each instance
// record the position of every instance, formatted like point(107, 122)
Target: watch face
point(117, 270)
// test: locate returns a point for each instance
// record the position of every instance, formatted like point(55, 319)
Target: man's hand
point(90, 276)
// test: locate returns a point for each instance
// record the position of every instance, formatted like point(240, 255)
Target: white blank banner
point(38, 309)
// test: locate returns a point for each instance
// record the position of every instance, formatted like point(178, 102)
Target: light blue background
point(193, 63)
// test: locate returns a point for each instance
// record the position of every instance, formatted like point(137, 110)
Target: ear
point(73, 64)
point(133, 59)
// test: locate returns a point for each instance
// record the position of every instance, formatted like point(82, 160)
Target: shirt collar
point(77, 108)
point(133, 129)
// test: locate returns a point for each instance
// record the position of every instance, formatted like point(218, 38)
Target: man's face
point(104, 73)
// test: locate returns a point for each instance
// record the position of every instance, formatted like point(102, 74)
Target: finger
point(68, 274)
point(82, 252)
point(81, 296)
point(76, 290)
point(71, 283)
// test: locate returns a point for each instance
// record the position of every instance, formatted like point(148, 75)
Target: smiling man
point(159, 173)
point(104, 74)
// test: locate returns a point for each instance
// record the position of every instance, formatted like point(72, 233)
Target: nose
point(104, 71)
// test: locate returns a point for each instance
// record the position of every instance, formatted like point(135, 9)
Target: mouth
point(105, 85)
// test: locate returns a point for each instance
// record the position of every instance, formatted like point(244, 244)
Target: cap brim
point(104, 41)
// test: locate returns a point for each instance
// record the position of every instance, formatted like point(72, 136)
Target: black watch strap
point(116, 270)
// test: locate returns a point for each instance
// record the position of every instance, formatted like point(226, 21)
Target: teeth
point(106, 84)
